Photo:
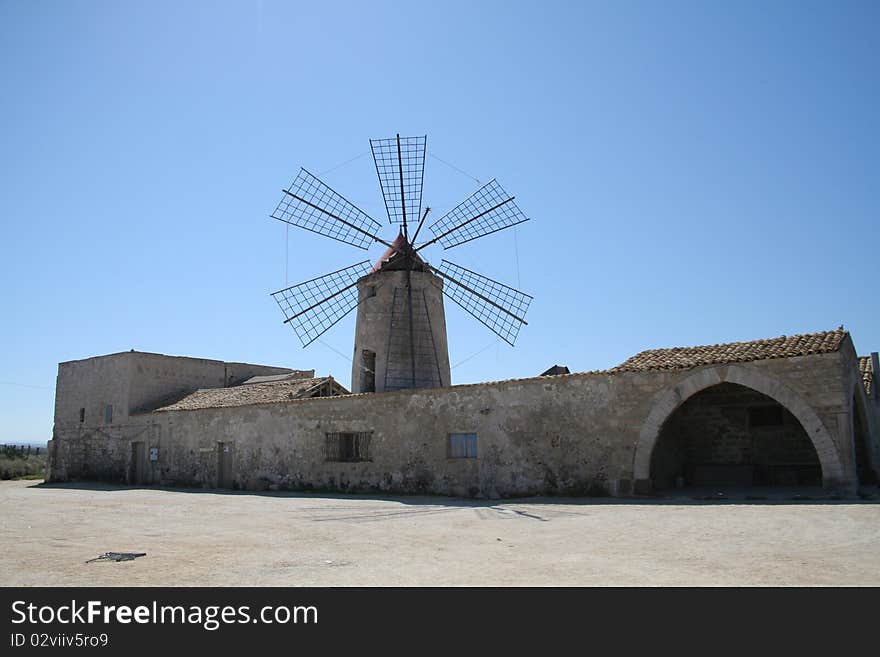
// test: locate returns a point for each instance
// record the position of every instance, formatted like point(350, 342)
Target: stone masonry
point(576, 434)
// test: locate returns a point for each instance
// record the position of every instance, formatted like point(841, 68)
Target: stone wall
point(382, 329)
point(130, 382)
point(573, 434)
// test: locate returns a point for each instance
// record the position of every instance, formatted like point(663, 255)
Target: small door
point(224, 465)
point(136, 474)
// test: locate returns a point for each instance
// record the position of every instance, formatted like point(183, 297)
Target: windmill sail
point(400, 337)
point(315, 305)
point(499, 307)
point(486, 211)
point(400, 165)
point(311, 204)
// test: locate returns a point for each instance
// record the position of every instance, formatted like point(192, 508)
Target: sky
point(694, 173)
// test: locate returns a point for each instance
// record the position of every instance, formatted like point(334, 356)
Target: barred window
point(348, 447)
point(462, 446)
point(108, 414)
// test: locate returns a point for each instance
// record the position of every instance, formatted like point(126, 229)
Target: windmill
point(400, 334)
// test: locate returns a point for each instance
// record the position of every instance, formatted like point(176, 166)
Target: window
point(462, 446)
point(765, 416)
point(348, 447)
point(108, 414)
point(371, 291)
point(82, 415)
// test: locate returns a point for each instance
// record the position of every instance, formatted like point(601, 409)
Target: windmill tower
point(400, 335)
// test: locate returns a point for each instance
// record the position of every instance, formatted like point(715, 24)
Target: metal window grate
point(309, 203)
point(314, 306)
point(505, 324)
point(486, 211)
point(391, 161)
point(348, 446)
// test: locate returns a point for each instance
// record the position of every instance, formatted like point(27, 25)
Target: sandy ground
point(213, 538)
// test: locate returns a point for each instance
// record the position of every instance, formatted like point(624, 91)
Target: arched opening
point(864, 471)
point(733, 436)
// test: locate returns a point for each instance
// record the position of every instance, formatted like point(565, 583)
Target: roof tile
point(734, 352)
point(271, 392)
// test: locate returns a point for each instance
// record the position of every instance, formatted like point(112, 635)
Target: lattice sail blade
point(499, 307)
point(313, 205)
point(486, 211)
point(401, 159)
point(313, 306)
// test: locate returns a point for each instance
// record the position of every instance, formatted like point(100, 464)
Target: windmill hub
point(400, 335)
point(400, 256)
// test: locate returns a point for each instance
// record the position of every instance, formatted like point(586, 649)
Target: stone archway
point(826, 450)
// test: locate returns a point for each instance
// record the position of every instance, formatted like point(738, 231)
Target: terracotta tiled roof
point(734, 352)
point(866, 367)
point(272, 378)
point(273, 392)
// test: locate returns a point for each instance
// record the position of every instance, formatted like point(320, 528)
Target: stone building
point(789, 411)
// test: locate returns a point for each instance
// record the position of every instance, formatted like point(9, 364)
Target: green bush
point(18, 462)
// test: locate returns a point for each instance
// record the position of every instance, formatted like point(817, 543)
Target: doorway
point(732, 435)
point(137, 464)
point(224, 465)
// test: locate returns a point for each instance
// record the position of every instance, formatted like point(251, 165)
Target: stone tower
point(400, 335)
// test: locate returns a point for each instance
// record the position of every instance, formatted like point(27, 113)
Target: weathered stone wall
point(129, 382)
point(92, 384)
point(574, 434)
point(865, 415)
point(872, 403)
point(375, 331)
point(156, 377)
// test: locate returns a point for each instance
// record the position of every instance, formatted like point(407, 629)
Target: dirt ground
point(213, 538)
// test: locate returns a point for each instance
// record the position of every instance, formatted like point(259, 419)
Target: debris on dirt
point(118, 556)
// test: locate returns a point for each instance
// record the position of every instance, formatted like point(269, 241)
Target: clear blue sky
point(696, 172)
